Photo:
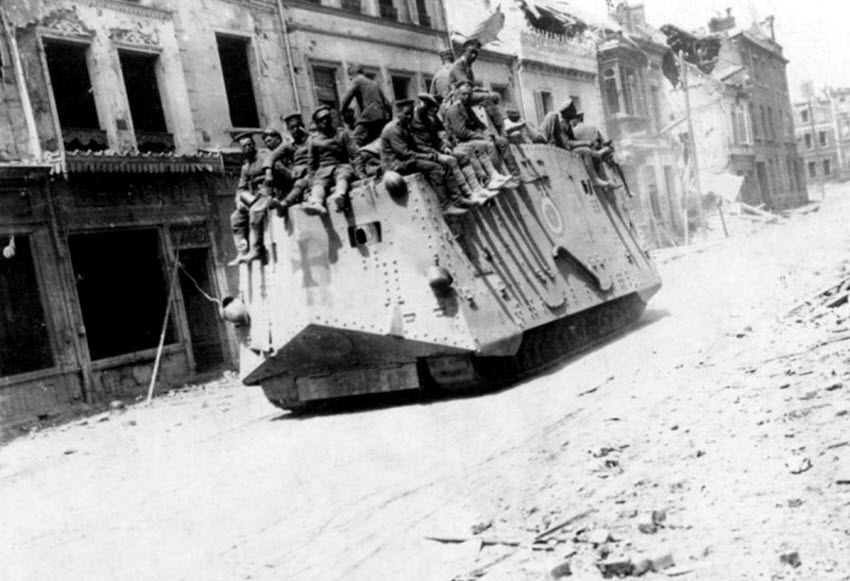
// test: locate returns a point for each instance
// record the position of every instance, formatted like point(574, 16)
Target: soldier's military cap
point(428, 99)
point(296, 115)
point(240, 136)
point(272, 131)
point(403, 103)
point(472, 43)
point(447, 54)
point(568, 109)
point(321, 112)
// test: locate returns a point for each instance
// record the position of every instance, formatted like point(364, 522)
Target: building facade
point(634, 100)
point(118, 167)
point(822, 127)
point(739, 95)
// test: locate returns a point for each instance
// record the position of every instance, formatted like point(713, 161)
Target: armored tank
point(391, 296)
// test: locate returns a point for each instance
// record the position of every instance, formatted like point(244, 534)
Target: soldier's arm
point(244, 180)
point(314, 155)
point(349, 95)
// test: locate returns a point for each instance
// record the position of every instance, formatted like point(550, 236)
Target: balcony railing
point(84, 139)
point(154, 142)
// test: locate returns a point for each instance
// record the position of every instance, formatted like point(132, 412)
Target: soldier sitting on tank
point(253, 200)
point(369, 161)
point(399, 154)
point(374, 107)
point(277, 173)
point(331, 153)
point(558, 129)
point(294, 154)
point(469, 133)
point(518, 130)
point(603, 152)
point(430, 137)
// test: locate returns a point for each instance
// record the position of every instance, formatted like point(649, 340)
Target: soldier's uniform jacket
point(253, 172)
point(557, 131)
point(463, 123)
point(398, 146)
point(425, 129)
point(441, 83)
point(370, 100)
point(461, 71)
point(295, 155)
point(327, 151)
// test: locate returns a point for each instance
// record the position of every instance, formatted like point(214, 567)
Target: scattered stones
point(69, 451)
point(597, 537)
point(792, 559)
point(795, 502)
point(834, 386)
point(562, 570)
point(619, 567)
point(803, 465)
point(480, 527)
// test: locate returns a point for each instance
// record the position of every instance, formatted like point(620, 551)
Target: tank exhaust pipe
point(233, 311)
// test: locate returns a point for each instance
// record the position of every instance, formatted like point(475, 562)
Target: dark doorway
point(236, 68)
point(201, 313)
point(122, 288)
point(24, 341)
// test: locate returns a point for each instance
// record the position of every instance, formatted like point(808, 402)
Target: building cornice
point(558, 70)
point(340, 13)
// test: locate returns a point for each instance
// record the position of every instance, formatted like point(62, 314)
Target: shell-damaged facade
point(391, 296)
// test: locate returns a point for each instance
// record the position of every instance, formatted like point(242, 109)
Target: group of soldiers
point(467, 159)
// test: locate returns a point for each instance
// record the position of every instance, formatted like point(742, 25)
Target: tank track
point(547, 346)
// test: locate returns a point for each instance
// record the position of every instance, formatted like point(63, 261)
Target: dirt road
point(716, 409)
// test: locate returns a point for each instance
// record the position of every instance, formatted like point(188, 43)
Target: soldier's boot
point(340, 198)
point(315, 203)
point(255, 240)
point(447, 202)
point(594, 176)
point(459, 192)
point(241, 244)
point(479, 192)
point(497, 180)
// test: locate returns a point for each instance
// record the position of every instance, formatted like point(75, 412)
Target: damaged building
point(118, 170)
point(637, 118)
point(822, 127)
point(738, 76)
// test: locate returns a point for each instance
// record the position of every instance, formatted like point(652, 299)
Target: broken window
point(387, 9)
point(352, 6)
point(24, 340)
point(324, 81)
point(544, 104)
point(140, 80)
point(67, 65)
point(122, 290)
point(612, 97)
point(402, 85)
point(422, 10)
point(238, 85)
point(504, 93)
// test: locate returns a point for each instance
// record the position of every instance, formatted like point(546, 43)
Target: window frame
point(253, 72)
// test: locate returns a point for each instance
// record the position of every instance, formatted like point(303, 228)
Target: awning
point(110, 162)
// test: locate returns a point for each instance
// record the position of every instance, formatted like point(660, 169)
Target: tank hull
point(347, 304)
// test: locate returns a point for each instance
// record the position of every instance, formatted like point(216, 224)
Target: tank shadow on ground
point(379, 401)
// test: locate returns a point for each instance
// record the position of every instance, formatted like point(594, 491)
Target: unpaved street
point(716, 409)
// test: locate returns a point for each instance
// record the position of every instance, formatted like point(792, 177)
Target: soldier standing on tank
point(332, 153)
point(558, 129)
point(253, 199)
point(429, 136)
point(374, 108)
point(399, 154)
point(441, 86)
point(468, 132)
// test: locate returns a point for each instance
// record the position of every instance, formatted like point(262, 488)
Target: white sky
point(814, 34)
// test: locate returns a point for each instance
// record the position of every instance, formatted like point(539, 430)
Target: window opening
point(140, 80)
point(236, 69)
point(401, 86)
